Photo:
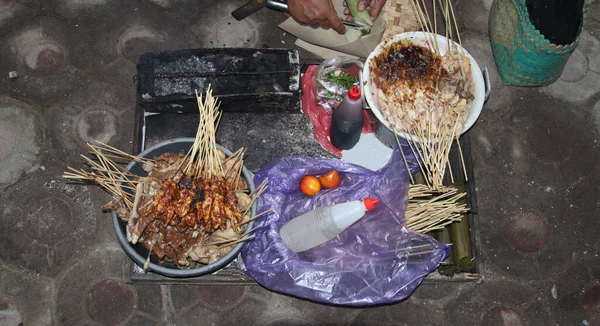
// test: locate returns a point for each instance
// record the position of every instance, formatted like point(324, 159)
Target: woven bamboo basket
point(524, 57)
point(400, 18)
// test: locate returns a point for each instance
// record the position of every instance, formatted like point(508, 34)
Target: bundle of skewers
point(432, 143)
point(429, 210)
point(191, 208)
point(425, 94)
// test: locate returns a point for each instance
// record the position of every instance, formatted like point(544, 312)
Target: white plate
point(420, 38)
point(369, 152)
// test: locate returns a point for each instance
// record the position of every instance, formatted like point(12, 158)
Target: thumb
point(335, 21)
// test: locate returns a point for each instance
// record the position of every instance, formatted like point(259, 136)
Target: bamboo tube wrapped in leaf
point(448, 266)
point(461, 239)
point(443, 236)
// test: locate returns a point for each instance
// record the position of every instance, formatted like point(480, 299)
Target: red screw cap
point(370, 203)
point(354, 93)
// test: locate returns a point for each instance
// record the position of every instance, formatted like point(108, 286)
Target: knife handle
point(248, 9)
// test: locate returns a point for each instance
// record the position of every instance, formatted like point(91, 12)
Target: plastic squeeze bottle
point(323, 224)
point(347, 120)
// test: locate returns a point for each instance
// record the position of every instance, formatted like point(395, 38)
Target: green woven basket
point(524, 57)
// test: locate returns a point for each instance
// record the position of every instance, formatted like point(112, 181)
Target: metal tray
point(152, 127)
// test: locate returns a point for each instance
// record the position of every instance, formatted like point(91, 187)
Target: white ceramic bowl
point(420, 38)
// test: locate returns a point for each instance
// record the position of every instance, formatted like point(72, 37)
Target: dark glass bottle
point(347, 121)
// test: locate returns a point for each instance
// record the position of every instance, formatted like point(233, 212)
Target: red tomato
point(310, 185)
point(330, 179)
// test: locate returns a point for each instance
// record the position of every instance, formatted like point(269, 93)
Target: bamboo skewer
point(455, 24)
point(121, 170)
point(420, 160)
point(428, 245)
point(118, 152)
point(462, 159)
point(449, 26)
point(421, 20)
point(104, 183)
point(229, 242)
point(239, 169)
point(256, 216)
point(412, 181)
point(250, 231)
point(259, 188)
point(254, 195)
point(236, 242)
point(106, 163)
point(435, 30)
point(434, 34)
point(108, 179)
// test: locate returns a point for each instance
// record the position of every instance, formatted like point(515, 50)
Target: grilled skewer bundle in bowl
point(413, 87)
point(428, 90)
point(425, 88)
point(183, 207)
point(192, 225)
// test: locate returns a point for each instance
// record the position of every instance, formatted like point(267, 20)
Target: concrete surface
point(535, 150)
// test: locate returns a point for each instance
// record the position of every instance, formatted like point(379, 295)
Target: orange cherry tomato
point(330, 179)
point(310, 185)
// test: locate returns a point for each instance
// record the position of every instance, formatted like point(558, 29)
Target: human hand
point(316, 13)
point(374, 8)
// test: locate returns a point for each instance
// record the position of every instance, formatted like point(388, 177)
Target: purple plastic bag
point(368, 264)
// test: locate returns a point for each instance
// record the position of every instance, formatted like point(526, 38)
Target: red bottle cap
point(370, 203)
point(354, 93)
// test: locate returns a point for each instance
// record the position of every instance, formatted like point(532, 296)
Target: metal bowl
point(419, 38)
point(139, 254)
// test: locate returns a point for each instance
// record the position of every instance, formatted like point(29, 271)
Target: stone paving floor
point(535, 150)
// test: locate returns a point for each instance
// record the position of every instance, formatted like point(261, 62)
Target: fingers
point(363, 4)
point(321, 15)
point(374, 12)
point(347, 13)
point(375, 9)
